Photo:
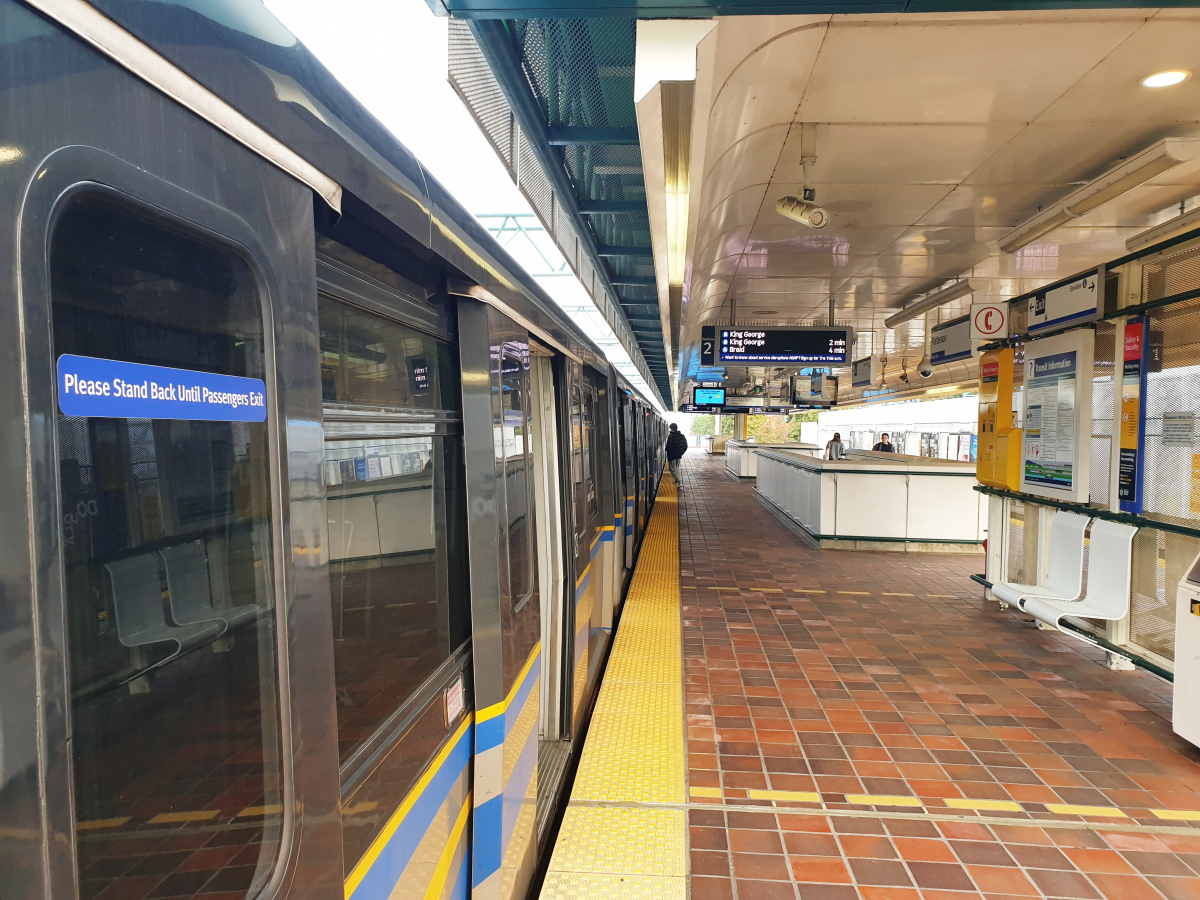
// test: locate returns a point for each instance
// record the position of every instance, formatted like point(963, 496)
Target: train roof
point(238, 50)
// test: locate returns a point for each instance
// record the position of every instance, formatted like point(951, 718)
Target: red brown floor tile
point(888, 674)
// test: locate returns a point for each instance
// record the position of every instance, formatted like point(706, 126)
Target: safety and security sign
point(989, 321)
point(111, 389)
point(1133, 414)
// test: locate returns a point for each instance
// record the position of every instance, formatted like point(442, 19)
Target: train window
point(395, 572)
point(515, 407)
point(167, 564)
point(589, 456)
point(369, 360)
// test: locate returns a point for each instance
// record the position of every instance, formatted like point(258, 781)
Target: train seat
point(191, 590)
point(1110, 568)
point(137, 604)
point(1064, 581)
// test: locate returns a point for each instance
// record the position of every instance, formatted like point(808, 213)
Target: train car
point(319, 511)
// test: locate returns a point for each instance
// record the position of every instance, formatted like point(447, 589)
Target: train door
point(584, 533)
point(629, 509)
point(505, 604)
point(554, 736)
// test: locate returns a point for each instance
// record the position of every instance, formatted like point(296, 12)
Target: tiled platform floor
point(849, 673)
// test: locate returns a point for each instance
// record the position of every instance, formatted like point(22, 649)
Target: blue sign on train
point(111, 389)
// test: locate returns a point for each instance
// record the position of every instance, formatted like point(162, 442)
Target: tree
point(767, 429)
point(796, 420)
point(703, 425)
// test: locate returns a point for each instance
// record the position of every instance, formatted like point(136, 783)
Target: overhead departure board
point(801, 346)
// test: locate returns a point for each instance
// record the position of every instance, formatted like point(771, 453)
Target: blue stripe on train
point(385, 874)
point(492, 732)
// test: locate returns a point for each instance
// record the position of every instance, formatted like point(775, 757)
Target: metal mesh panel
point(1170, 275)
point(580, 70)
point(625, 230)
point(473, 81)
point(1102, 408)
point(1016, 542)
point(1169, 493)
point(1159, 559)
point(535, 185)
point(606, 172)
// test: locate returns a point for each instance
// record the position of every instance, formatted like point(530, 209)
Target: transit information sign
point(803, 346)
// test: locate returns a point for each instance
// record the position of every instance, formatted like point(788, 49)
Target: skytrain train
point(319, 512)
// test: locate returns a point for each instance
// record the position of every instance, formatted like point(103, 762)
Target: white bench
point(1110, 569)
point(1064, 580)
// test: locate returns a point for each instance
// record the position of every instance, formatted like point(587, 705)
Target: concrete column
point(739, 426)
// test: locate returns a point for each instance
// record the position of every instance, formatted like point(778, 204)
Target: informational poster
point(1178, 429)
point(1133, 414)
point(1056, 453)
point(418, 374)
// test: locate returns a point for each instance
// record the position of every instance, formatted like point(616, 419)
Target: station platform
point(778, 721)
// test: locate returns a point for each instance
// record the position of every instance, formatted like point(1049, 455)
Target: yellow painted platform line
point(856, 593)
point(1178, 815)
point(783, 796)
point(882, 800)
point(609, 845)
point(988, 805)
point(198, 815)
point(1070, 809)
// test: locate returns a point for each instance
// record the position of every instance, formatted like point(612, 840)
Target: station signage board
point(1074, 302)
point(989, 321)
point(1133, 414)
point(1056, 457)
point(797, 346)
point(708, 345)
point(950, 341)
point(865, 372)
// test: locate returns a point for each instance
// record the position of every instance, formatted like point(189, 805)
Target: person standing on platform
point(676, 446)
point(884, 445)
point(835, 449)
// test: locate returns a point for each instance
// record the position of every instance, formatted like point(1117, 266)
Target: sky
point(392, 56)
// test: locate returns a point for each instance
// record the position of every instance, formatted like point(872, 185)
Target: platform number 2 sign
point(708, 345)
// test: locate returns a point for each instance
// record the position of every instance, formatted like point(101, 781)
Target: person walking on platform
point(676, 446)
point(885, 445)
point(835, 449)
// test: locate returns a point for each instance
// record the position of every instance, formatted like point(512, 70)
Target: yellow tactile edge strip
point(611, 844)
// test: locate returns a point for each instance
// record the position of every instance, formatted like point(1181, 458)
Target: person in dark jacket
point(676, 446)
point(884, 445)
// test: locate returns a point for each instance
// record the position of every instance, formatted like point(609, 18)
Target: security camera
point(803, 212)
point(924, 369)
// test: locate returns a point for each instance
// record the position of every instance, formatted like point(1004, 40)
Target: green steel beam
point(612, 207)
point(632, 280)
point(697, 9)
point(570, 136)
point(627, 252)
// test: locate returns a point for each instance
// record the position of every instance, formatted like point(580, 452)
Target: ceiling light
point(933, 301)
point(1164, 79)
point(1168, 229)
point(936, 242)
point(768, 312)
point(1121, 179)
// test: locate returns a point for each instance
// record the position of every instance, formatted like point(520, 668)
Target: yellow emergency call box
point(998, 458)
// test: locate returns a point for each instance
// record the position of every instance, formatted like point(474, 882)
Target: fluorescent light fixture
point(1169, 229)
point(1165, 79)
point(933, 301)
point(1148, 164)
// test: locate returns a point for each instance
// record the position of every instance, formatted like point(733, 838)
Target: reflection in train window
point(372, 361)
point(513, 372)
point(589, 456)
point(167, 567)
point(395, 572)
